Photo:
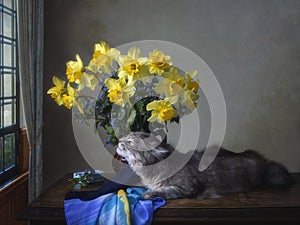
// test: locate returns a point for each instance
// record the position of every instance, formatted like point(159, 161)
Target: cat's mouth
point(120, 157)
point(123, 159)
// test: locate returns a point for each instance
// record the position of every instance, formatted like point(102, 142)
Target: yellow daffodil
point(189, 99)
point(88, 80)
point(119, 91)
point(132, 66)
point(69, 97)
point(103, 58)
point(162, 111)
point(190, 83)
point(74, 70)
point(158, 62)
point(178, 93)
point(171, 84)
point(75, 73)
point(79, 105)
point(58, 90)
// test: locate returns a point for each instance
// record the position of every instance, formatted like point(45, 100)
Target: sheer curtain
point(31, 72)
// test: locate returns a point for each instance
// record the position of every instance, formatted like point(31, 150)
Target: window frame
point(14, 129)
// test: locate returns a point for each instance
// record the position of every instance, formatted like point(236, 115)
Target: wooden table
point(263, 206)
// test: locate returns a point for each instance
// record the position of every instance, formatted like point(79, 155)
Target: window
point(9, 90)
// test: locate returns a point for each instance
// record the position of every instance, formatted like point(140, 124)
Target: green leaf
point(114, 140)
point(139, 106)
point(132, 116)
point(109, 129)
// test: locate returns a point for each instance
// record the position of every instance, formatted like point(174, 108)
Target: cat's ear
point(151, 143)
point(160, 153)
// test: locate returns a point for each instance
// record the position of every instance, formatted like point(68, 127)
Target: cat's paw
point(149, 195)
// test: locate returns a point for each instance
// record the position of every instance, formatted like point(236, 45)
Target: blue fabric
point(78, 212)
point(142, 209)
point(116, 210)
point(113, 209)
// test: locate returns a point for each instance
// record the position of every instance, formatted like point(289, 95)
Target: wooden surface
point(267, 205)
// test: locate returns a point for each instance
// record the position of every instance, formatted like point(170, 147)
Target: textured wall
point(252, 47)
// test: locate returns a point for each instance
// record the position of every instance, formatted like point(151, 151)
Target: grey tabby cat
point(229, 173)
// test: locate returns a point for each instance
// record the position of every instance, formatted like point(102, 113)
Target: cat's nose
point(121, 146)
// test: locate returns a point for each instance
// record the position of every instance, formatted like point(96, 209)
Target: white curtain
point(31, 37)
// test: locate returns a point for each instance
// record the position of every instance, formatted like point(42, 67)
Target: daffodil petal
point(142, 60)
point(79, 105)
point(58, 82)
point(79, 60)
point(52, 90)
point(113, 53)
point(85, 81)
point(193, 74)
point(111, 83)
point(172, 100)
point(153, 118)
point(59, 100)
point(152, 105)
point(134, 53)
point(129, 89)
point(94, 83)
point(122, 74)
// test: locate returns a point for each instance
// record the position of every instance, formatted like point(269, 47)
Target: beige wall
point(252, 47)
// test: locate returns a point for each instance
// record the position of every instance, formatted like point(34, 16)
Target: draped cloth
point(110, 204)
point(31, 37)
point(116, 208)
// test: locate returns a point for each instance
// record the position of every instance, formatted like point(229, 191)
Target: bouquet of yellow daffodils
point(144, 90)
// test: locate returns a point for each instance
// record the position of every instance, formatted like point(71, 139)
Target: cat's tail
point(277, 175)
